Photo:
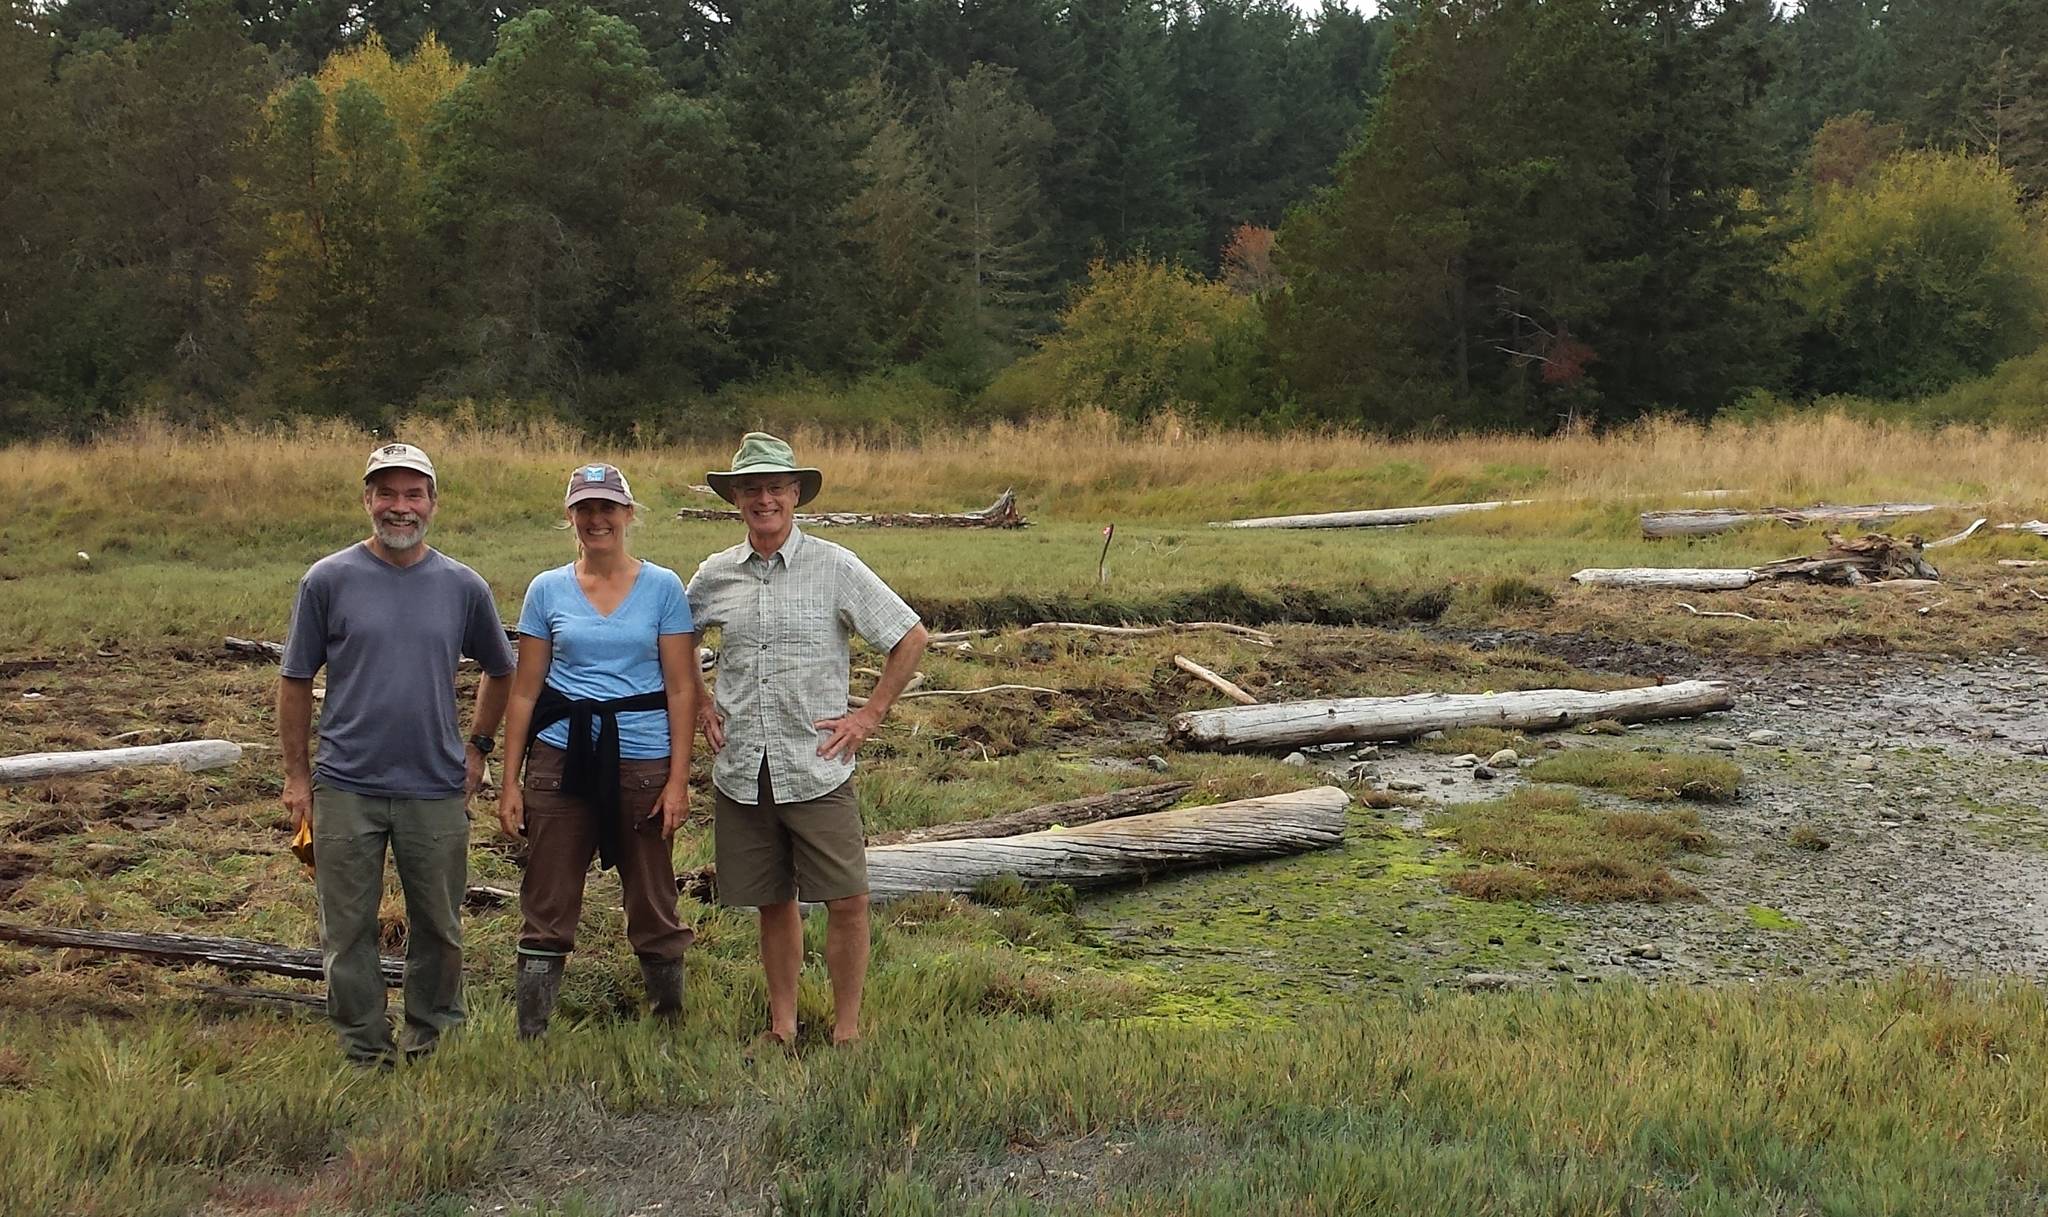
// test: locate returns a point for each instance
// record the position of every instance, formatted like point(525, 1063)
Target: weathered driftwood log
point(1118, 851)
point(1681, 578)
point(1218, 683)
point(191, 756)
point(1072, 813)
point(1002, 513)
point(234, 953)
point(702, 883)
point(2035, 527)
point(1870, 559)
point(1296, 724)
point(1707, 521)
point(1383, 517)
point(1960, 537)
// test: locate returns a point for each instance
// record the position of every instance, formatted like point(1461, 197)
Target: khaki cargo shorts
point(772, 853)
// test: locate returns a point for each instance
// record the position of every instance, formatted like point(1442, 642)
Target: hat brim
point(584, 494)
point(809, 481)
point(408, 466)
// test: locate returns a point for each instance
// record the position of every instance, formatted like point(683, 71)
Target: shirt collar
point(787, 553)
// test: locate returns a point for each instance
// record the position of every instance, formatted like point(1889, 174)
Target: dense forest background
point(1460, 213)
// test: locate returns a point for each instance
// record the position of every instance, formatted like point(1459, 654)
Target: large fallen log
point(235, 954)
point(2035, 527)
point(1297, 724)
point(1072, 813)
point(1384, 517)
point(1002, 513)
point(702, 883)
point(1707, 521)
point(1678, 578)
point(1118, 851)
point(191, 756)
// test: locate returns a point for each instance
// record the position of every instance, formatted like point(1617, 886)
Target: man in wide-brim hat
point(788, 824)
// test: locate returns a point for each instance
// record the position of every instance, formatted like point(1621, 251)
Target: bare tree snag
point(1681, 578)
point(191, 756)
point(1120, 850)
point(1297, 724)
point(1073, 813)
point(1384, 517)
point(1214, 681)
point(235, 954)
point(1707, 521)
point(1002, 513)
point(976, 692)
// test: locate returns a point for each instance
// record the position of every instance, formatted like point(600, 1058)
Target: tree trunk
point(1384, 517)
point(1118, 851)
point(1700, 523)
point(1680, 578)
point(1358, 719)
point(240, 954)
point(1002, 513)
point(190, 756)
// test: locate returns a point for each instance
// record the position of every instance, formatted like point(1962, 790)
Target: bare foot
point(842, 1038)
point(771, 1043)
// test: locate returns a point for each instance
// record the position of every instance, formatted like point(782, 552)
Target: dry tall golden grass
point(1167, 469)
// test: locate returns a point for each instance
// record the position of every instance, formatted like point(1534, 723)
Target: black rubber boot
point(664, 980)
point(540, 980)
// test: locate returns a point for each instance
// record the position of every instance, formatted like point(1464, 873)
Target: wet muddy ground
point(1893, 812)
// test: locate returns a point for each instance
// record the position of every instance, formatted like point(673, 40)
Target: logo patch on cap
point(593, 473)
point(392, 450)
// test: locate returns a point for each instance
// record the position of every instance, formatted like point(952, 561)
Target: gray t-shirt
point(390, 637)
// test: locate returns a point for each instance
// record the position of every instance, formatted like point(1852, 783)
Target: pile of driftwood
point(1002, 513)
point(1874, 558)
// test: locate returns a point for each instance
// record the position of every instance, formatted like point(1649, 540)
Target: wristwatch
point(482, 744)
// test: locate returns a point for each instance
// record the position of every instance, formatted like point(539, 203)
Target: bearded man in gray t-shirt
point(389, 618)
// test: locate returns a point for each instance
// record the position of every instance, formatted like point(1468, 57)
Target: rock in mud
point(1506, 758)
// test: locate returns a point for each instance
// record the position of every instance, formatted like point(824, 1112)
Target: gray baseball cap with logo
point(398, 456)
point(600, 481)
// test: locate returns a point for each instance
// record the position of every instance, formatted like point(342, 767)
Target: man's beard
point(401, 537)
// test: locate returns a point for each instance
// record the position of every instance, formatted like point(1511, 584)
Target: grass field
point(1271, 1038)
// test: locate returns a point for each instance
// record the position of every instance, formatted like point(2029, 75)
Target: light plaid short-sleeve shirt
point(784, 659)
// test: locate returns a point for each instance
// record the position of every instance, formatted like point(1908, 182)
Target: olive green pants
point(429, 840)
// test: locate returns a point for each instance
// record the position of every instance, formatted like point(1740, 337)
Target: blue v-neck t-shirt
point(603, 657)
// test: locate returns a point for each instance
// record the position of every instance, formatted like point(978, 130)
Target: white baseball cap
point(398, 456)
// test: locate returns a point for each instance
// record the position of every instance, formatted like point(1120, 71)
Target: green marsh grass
point(1657, 777)
point(1537, 843)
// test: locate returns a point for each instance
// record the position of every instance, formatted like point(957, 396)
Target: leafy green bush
point(1921, 275)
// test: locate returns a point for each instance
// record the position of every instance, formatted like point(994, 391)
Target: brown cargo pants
point(561, 839)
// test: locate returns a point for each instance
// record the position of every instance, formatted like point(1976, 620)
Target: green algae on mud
point(1271, 940)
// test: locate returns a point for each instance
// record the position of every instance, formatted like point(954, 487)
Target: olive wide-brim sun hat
point(761, 453)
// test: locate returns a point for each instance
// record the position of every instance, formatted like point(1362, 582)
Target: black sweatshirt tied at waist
point(591, 770)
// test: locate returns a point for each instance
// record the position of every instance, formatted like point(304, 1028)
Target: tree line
point(1462, 212)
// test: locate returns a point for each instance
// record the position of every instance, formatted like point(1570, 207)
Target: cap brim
point(583, 494)
point(809, 481)
point(408, 466)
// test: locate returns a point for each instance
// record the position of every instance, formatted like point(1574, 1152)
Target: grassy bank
point(191, 536)
point(1908, 1097)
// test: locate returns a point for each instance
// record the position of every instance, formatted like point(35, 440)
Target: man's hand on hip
point(846, 734)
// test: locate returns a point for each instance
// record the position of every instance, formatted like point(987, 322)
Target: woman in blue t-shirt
point(603, 703)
